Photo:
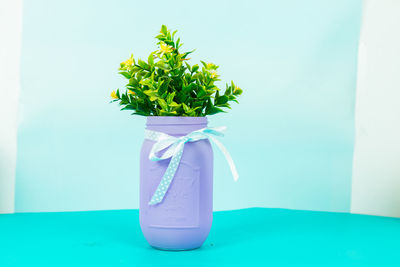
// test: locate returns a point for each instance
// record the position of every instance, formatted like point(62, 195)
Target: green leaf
point(150, 92)
point(201, 93)
point(187, 53)
point(210, 92)
point(164, 29)
point(168, 42)
point(139, 76)
point(163, 87)
point(151, 59)
point(125, 74)
point(135, 69)
point(166, 113)
point(211, 109)
point(189, 88)
point(173, 34)
point(188, 66)
point(228, 90)
point(185, 108)
point(195, 68)
point(225, 105)
point(163, 96)
point(197, 104)
point(147, 82)
point(221, 100)
point(174, 104)
point(143, 64)
point(153, 96)
point(138, 92)
point(140, 113)
point(160, 83)
point(214, 110)
point(132, 99)
point(162, 65)
point(181, 97)
point(129, 107)
point(170, 97)
point(133, 82)
point(162, 103)
point(217, 94)
point(191, 113)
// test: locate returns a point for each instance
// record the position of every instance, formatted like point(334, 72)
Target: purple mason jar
point(183, 219)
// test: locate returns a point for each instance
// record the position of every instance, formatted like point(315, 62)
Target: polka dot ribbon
point(173, 147)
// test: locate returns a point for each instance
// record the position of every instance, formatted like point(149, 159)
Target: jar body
point(183, 219)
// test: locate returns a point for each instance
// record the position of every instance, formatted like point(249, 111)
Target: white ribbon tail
point(227, 156)
point(169, 174)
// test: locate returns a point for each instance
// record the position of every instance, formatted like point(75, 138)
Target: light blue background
point(291, 136)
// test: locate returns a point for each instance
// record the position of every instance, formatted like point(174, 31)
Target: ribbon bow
point(174, 150)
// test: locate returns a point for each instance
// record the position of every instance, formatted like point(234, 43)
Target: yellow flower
point(131, 92)
point(128, 62)
point(237, 90)
point(114, 95)
point(165, 48)
point(214, 74)
point(209, 65)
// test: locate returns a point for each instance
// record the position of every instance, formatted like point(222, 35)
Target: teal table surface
point(249, 237)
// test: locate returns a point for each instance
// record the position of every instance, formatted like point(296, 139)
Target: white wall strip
point(10, 47)
point(376, 168)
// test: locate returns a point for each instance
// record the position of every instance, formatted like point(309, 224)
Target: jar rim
point(175, 120)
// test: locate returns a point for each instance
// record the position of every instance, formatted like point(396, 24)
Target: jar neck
point(175, 126)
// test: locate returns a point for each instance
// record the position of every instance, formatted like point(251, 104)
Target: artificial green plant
point(167, 85)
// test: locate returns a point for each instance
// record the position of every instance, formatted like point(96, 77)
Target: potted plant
point(176, 160)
